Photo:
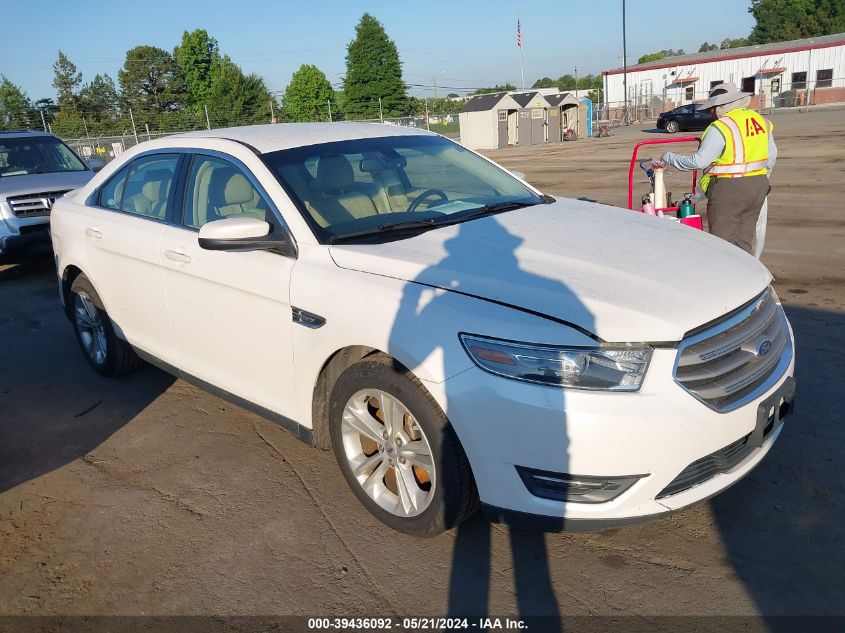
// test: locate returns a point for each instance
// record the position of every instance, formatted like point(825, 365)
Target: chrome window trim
point(736, 318)
point(93, 197)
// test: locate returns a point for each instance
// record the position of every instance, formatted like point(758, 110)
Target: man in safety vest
point(736, 154)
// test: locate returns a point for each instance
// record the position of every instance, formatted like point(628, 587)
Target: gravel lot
point(146, 495)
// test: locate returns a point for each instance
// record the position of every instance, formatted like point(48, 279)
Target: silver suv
point(35, 169)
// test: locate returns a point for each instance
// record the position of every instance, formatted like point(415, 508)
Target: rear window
point(36, 155)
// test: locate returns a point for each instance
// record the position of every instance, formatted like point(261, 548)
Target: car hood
point(622, 275)
point(42, 183)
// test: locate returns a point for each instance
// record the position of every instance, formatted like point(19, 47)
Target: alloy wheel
point(388, 453)
point(89, 324)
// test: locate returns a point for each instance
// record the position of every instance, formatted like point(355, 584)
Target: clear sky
point(464, 43)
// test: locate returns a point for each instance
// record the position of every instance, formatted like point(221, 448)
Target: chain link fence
point(645, 104)
point(107, 146)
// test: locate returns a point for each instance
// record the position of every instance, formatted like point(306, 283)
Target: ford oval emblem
point(763, 347)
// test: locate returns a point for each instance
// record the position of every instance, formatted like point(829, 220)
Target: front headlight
point(613, 367)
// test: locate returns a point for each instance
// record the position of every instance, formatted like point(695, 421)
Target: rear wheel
point(102, 348)
point(397, 450)
point(672, 127)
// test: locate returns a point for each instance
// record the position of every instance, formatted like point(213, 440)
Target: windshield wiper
point(381, 229)
point(433, 223)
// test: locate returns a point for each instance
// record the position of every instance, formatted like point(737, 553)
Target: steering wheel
point(428, 193)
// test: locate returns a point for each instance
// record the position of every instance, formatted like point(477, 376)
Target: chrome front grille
point(32, 205)
point(737, 358)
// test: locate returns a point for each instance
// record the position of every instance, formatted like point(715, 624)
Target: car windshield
point(36, 155)
point(381, 185)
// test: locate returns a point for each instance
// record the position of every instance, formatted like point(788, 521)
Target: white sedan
point(456, 337)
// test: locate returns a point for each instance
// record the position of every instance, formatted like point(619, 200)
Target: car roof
point(278, 136)
point(23, 133)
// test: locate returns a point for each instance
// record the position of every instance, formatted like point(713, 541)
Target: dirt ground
point(148, 496)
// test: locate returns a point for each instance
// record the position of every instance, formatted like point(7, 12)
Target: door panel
point(123, 244)
point(231, 312)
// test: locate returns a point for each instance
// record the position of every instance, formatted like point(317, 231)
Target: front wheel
point(102, 348)
point(398, 451)
point(672, 127)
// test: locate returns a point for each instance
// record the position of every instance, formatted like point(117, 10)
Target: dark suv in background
point(684, 117)
point(35, 169)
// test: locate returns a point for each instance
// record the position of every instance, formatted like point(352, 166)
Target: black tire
point(672, 127)
point(119, 357)
point(455, 497)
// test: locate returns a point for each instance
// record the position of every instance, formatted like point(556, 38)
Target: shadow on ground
point(49, 418)
point(782, 525)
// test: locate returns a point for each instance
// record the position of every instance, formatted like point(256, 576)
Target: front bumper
point(658, 432)
point(26, 235)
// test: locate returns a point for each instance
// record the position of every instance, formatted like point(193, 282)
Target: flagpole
point(521, 56)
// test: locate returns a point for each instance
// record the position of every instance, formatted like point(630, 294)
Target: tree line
point(196, 86)
point(776, 21)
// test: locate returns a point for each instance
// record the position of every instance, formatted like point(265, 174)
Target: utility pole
point(134, 130)
point(207, 122)
point(427, 125)
point(329, 103)
point(625, 118)
point(147, 127)
point(435, 86)
point(380, 111)
point(43, 121)
point(519, 43)
point(272, 112)
point(576, 82)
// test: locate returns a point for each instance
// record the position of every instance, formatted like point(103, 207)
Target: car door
point(230, 311)
point(123, 229)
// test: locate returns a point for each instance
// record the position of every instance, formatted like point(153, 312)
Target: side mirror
point(96, 164)
point(243, 233)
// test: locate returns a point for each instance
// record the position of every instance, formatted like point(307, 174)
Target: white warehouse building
point(800, 72)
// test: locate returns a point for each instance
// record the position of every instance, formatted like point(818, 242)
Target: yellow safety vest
point(746, 150)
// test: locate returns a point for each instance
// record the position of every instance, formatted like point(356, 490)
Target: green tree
point(98, 100)
point(653, 57)
point(373, 71)
point(236, 98)
point(14, 106)
point(47, 107)
point(198, 57)
point(507, 87)
point(707, 46)
point(780, 20)
point(308, 95)
point(150, 83)
point(566, 82)
point(544, 82)
point(66, 80)
point(733, 43)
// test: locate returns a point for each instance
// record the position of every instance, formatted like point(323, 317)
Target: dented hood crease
point(621, 275)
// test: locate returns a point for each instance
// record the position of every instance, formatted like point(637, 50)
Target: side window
point(148, 184)
point(111, 193)
point(216, 189)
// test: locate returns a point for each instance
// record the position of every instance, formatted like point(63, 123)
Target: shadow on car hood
point(628, 277)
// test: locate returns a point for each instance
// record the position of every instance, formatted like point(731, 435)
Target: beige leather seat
point(231, 194)
point(338, 197)
point(152, 199)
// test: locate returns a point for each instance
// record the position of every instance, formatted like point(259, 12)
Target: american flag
point(518, 33)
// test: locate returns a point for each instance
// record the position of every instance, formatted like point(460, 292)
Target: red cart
point(632, 166)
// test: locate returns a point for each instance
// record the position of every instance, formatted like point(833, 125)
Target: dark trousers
point(733, 206)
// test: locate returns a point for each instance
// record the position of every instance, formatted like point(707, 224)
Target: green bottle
point(687, 208)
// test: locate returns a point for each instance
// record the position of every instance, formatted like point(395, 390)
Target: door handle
point(177, 256)
point(95, 233)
